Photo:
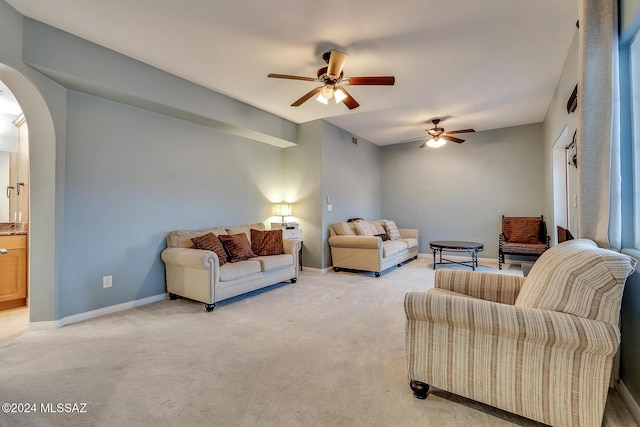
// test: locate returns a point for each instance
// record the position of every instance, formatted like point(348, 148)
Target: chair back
point(577, 277)
point(524, 229)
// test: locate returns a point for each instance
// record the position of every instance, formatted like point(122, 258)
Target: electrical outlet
point(329, 208)
point(107, 281)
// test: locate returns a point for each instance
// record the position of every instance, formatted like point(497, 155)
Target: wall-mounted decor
point(572, 150)
point(572, 103)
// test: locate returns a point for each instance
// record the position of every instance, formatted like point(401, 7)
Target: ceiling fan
point(439, 137)
point(334, 82)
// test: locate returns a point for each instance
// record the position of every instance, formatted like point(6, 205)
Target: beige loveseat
point(541, 346)
point(196, 273)
point(361, 246)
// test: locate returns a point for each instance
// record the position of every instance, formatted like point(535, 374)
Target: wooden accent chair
point(541, 347)
point(522, 236)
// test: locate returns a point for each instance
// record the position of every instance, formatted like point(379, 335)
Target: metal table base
point(472, 248)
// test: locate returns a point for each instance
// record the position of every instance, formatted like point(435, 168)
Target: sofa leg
point(294, 280)
point(172, 296)
point(209, 307)
point(377, 274)
point(419, 389)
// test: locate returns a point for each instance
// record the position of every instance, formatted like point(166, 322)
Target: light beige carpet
point(326, 351)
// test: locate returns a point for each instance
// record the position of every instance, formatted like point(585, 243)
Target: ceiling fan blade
point(424, 144)
point(336, 62)
point(452, 139)
point(379, 80)
point(286, 76)
point(453, 132)
point(306, 97)
point(349, 101)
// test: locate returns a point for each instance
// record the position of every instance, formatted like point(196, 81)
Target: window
point(634, 77)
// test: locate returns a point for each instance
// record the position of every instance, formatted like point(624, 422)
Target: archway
point(43, 221)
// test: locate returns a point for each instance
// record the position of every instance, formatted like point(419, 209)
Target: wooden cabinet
point(13, 271)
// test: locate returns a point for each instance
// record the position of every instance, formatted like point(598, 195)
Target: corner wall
point(351, 180)
point(460, 191)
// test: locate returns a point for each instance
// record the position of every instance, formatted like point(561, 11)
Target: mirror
point(13, 173)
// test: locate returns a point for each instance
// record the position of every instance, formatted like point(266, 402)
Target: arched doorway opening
point(43, 221)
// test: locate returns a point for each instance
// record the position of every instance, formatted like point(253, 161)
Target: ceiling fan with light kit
point(439, 137)
point(334, 82)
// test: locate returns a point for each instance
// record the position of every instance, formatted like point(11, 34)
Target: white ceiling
point(482, 64)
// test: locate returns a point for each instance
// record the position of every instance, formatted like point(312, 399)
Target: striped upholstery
point(392, 230)
point(365, 228)
point(577, 277)
point(549, 366)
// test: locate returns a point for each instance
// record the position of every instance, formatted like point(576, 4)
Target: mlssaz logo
point(64, 407)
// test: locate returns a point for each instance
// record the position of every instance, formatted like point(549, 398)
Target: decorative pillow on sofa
point(344, 229)
point(267, 242)
point(365, 228)
point(392, 230)
point(238, 247)
point(211, 242)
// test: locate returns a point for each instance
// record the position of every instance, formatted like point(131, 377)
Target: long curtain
point(599, 179)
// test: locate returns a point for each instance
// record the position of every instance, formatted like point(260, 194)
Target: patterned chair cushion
point(522, 229)
point(524, 248)
point(577, 277)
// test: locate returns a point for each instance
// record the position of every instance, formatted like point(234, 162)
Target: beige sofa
point(353, 248)
point(196, 274)
point(541, 346)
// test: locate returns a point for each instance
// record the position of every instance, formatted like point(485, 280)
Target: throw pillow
point(343, 229)
point(365, 228)
point(266, 242)
point(392, 230)
point(379, 228)
point(238, 247)
point(211, 242)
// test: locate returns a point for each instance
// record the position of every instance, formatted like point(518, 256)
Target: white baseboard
point(43, 326)
point(631, 403)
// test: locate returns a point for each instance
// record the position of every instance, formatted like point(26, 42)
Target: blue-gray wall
point(351, 179)
point(134, 175)
point(461, 191)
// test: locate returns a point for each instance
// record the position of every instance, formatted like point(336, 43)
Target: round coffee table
point(472, 248)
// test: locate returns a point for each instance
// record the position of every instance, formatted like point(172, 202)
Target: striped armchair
point(541, 347)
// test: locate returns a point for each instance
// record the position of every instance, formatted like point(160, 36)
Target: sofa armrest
point(406, 233)
point(538, 327)
point(500, 288)
point(356, 242)
point(291, 246)
point(190, 258)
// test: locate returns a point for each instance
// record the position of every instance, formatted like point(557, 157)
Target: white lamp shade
point(282, 209)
